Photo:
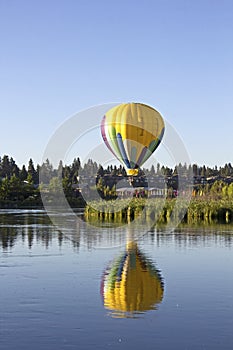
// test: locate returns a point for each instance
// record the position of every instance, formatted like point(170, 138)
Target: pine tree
point(152, 170)
point(23, 173)
point(32, 171)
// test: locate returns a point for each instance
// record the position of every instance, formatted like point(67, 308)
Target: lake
point(170, 290)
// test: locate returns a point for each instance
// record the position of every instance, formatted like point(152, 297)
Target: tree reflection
point(33, 227)
point(28, 226)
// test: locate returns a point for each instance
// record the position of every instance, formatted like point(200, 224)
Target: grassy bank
point(156, 209)
point(198, 210)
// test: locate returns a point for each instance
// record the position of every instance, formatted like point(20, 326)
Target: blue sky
point(60, 57)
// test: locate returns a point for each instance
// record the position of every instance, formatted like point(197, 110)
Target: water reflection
point(38, 308)
point(131, 284)
point(34, 227)
point(30, 226)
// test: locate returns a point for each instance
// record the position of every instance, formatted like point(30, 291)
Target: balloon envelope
point(132, 132)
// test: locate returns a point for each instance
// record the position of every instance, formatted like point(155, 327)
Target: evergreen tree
point(152, 170)
point(14, 169)
point(60, 169)
point(203, 171)
point(23, 173)
point(5, 189)
point(46, 172)
point(15, 188)
point(5, 170)
point(67, 186)
point(195, 169)
point(32, 171)
point(100, 171)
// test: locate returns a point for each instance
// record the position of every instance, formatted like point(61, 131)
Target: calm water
point(170, 291)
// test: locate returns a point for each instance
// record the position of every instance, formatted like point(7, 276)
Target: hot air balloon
point(131, 285)
point(132, 132)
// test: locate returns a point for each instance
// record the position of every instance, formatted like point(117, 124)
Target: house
point(151, 192)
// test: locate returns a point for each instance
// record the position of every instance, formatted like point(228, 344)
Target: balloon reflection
point(131, 284)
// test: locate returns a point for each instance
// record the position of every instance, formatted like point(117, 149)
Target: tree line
point(23, 184)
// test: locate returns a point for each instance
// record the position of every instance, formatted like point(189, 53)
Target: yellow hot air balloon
point(132, 132)
point(132, 285)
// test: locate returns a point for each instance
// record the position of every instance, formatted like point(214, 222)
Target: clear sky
point(59, 57)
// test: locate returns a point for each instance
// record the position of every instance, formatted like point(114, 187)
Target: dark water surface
point(170, 291)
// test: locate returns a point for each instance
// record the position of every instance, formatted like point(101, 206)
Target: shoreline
point(207, 210)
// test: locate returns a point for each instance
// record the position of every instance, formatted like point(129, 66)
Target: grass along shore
point(161, 211)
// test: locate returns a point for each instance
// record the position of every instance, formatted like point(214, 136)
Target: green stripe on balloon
point(152, 147)
point(112, 276)
point(133, 157)
point(113, 140)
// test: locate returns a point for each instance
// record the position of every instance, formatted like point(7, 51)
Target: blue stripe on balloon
point(122, 150)
point(140, 158)
point(161, 134)
point(120, 268)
